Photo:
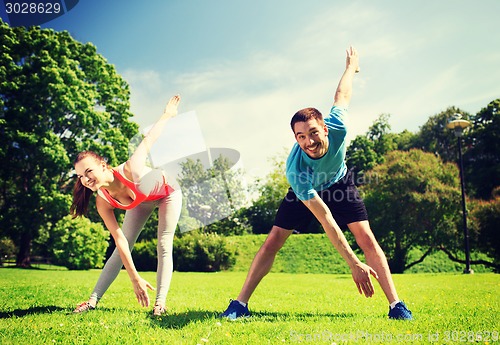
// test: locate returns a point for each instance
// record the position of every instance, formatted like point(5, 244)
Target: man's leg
point(292, 214)
point(263, 261)
point(261, 265)
point(375, 257)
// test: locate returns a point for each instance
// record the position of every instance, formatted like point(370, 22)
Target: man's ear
point(326, 129)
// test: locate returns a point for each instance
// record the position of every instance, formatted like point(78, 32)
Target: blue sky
point(245, 67)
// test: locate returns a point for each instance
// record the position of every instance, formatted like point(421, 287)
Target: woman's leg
point(169, 211)
point(132, 226)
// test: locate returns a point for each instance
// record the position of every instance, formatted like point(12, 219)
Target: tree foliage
point(485, 218)
point(413, 201)
point(367, 151)
point(434, 137)
point(482, 158)
point(57, 97)
point(271, 190)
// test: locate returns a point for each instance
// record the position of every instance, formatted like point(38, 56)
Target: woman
point(134, 187)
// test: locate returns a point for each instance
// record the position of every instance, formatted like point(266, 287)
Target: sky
point(245, 67)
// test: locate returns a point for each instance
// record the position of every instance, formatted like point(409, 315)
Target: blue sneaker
point(400, 312)
point(235, 310)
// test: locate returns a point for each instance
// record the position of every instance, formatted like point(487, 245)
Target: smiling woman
point(82, 191)
point(138, 189)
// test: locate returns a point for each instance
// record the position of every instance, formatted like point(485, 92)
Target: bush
point(200, 252)
point(486, 217)
point(7, 249)
point(79, 244)
point(145, 255)
point(193, 252)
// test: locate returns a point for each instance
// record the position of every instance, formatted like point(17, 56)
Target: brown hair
point(82, 194)
point(305, 115)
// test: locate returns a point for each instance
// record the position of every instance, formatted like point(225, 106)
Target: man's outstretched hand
point(352, 59)
point(361, 276)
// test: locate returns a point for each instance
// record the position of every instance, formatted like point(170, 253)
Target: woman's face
point(91, 173)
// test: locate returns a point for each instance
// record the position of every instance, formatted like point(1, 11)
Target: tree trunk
point(398, 262)
point(23, 256)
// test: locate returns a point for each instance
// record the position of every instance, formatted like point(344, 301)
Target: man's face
point(312, 138)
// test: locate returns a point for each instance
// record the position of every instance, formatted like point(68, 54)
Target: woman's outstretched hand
point(140, 289)
point(171, 107)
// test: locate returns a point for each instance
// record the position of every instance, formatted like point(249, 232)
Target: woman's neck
point(112, 184)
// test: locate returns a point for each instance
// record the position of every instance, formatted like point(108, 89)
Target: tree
point(484, 220)
point(482, 159)
point(215, 195)
point(57, 97)
point(368, 150)
point(413, 202)
point(434, 137)
point(271, 190)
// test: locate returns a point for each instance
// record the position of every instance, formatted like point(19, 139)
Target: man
point(321, 186)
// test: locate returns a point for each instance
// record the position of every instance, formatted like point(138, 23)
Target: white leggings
point(169, 210)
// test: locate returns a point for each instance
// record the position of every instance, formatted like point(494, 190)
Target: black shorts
point(342, 198)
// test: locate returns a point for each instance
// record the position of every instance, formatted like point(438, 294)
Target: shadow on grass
point(30, 311)
point(180, 320)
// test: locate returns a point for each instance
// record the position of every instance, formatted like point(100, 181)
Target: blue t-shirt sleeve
point(336, 117)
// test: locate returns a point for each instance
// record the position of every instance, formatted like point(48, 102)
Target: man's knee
point(364, 237)
point(275, 240)
point(367, 242)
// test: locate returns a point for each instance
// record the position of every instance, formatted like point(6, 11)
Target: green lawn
point(35, 308)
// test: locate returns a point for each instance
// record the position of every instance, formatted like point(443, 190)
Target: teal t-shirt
point(308, 176)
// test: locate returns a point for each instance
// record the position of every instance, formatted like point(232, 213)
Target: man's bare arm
point(344, 89)
point(360, 271)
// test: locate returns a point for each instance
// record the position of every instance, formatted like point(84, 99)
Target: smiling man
point(322, 187)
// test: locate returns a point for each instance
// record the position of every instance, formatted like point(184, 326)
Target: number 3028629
point(33, 8)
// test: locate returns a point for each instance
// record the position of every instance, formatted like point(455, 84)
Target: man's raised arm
point(344, 89)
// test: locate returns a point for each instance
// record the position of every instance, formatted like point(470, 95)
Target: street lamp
point(457, 124)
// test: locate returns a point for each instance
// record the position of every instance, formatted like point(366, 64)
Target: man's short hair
point(305, 115)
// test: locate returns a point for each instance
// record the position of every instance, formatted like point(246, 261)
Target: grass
point(35, 308)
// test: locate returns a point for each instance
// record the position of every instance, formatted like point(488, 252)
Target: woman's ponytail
point(81, 199)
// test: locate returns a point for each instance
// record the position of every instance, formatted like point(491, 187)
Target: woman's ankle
point(92, 302)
